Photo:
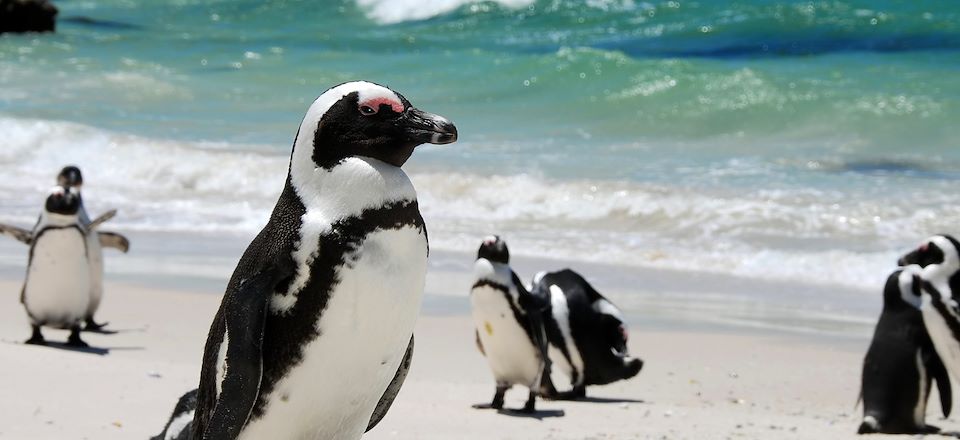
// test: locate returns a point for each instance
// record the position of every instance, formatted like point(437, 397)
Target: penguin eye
point(366, 110)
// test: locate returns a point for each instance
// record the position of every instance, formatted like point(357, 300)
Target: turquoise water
point(760, 138)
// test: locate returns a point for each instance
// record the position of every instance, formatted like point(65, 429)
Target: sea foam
point(396, 11)
point(166, 185)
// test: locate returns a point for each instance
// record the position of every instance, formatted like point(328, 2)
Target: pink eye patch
point(375, 104)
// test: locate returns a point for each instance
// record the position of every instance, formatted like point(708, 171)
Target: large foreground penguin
point(900, 364)
point(938, 263)
point(56, 291)
point(587, 333)
point(315, 331)
point(509, 325)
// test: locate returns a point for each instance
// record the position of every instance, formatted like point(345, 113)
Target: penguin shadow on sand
point(591, 399)
point(539, 414)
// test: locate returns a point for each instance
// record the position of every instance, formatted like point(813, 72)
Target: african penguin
point(70, 177)
point(179, 425)
point(509, 325)
point(586, 332)
point(56, 291)
point(938, 262)
point(314, 335)
point(901, 363)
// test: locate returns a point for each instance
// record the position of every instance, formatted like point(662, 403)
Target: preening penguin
point(938, 261)
point(509, 325)
point(56, 291)
point(587, 333)
point(313, 337)
point(901, 363)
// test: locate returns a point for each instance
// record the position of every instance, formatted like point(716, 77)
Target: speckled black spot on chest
point(287, 334)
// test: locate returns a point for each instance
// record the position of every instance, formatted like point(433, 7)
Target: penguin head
point(70, 177)
point(363, 119)
point(63, 201)
point(941, 250)
point(494, 249)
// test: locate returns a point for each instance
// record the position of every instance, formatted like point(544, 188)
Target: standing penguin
point(938, 260)
point(314, 335)
point(587, 333)
point(901, 363)
point(56, 292)
point(509, 325)
point(70, 177)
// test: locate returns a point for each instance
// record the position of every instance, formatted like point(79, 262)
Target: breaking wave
point(163, 185)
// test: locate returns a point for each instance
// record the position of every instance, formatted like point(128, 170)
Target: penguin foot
point(530, 406)
point(497, 403)
point(93, 326)
point(36, 338)
point(486, 406)
point(574, 394)
point(75, 341)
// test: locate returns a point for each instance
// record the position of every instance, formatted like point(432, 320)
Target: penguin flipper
point(22, 235)
point(99, 220)
point(393, 389)
point(245, 311)
point(114, 240)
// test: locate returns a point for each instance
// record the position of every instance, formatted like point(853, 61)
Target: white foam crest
point(614, 206)
point(397, 11)
point(801, 234)
point(156, 184)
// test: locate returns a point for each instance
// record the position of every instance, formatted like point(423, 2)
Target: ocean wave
point(396, 11)
point(813, 235)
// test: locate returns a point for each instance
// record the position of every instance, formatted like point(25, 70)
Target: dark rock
point(27, 16)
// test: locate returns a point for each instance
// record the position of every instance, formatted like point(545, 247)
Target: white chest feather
point(946, 345)
point(363, 335)
point(332, 195)
point(509, 352)
point(937, 325)
point(57, 290)
point(920, 409)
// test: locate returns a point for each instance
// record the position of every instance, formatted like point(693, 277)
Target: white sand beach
point(696, 384)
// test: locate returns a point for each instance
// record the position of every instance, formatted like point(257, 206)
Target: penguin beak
point(427, 128)
point(910, 258)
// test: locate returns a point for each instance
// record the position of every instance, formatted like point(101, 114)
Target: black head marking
point(929, 252)
point(70, 176)
point(387, 128)
point(62, 201)
point(494, 249)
